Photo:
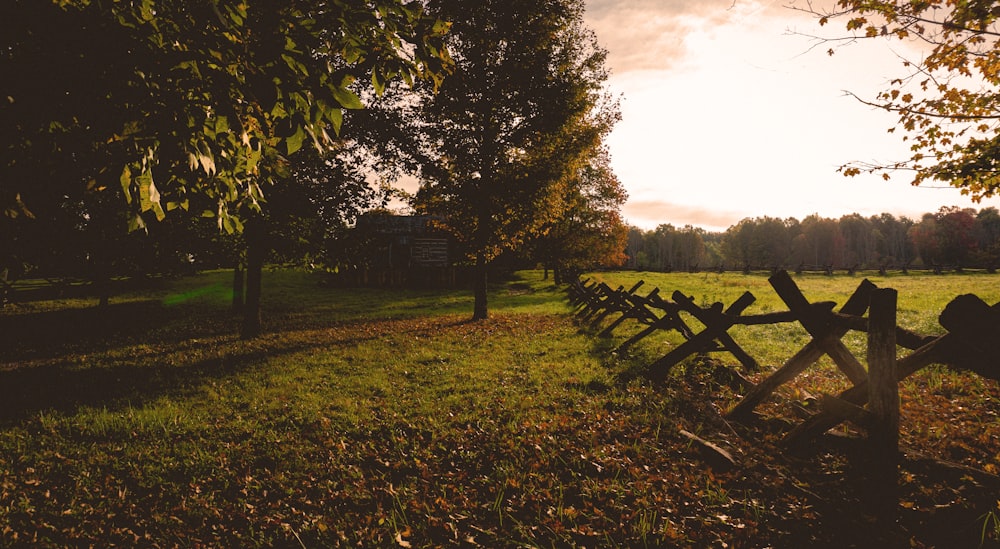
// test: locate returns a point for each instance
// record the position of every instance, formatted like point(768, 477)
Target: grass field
point(370, 417)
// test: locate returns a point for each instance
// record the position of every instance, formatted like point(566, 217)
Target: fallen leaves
point(440, 432)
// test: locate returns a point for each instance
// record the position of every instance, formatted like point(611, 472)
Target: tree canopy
point(507, 131)
point(948, 101)
point(193, 106)
point(591, 232)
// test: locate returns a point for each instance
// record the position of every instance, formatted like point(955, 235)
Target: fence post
point(883, 400)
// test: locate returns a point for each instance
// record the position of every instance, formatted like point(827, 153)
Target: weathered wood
point(716, 456)
point(978, 326)
point(610, 306)
point(620, 301)
point(847, 411)
point(599, 301)
point(935, 351)
point(725, 340)
point(642, 304)
point(969, 313)
point(591, 297)
point(702, 339)
point(767, 318)
point(883, 400)
point(636, 287)
point(904, 338)
point(672, 314)
point(634, 307)
point(580, 291)
point(813, 320)
point(818, 323)
point(670, 320)
point(845, 360)
point(857, 304)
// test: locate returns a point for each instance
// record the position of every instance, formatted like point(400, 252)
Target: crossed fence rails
point(972, 330)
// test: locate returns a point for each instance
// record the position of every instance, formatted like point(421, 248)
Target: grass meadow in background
point(382, 417)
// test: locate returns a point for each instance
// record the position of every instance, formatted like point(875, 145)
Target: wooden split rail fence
point(973, 328)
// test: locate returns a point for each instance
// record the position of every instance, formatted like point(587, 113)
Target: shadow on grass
point(63, 388)
point(137, 351)
point(147, 366)
point(51, 334)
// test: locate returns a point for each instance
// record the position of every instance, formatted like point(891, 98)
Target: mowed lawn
point(375, 417)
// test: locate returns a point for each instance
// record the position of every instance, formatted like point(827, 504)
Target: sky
point(730, 110)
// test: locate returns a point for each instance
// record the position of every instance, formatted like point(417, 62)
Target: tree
point(859, 244)
point(212, 95)
point(737, 243)
point(947, 237)
point(892, 244)
point(327, 190)
point(190, 106)
point(926, 240)
point(822, 241)
point(590, 232)
point(988, 233)
point(512, 126)
point(957, 234)
point(948, 101)
point(764, 241)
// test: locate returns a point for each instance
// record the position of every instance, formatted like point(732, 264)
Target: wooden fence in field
point(827, 269)
point(972, 330)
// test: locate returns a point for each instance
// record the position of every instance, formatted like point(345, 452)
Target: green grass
point(920, 299)
point(377, 417)
point(921, 296)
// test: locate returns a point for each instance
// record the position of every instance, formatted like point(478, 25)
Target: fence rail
point(972, 329)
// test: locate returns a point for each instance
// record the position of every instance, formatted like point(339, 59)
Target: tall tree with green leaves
point(948, 100)
point(193, 106)
point(511, 127)
point(591, 232)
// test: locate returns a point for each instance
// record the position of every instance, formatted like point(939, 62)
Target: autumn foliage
point(947, 96)
point(368, 418)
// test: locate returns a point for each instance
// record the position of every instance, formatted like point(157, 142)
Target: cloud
point(647, 214)
point(645, 35)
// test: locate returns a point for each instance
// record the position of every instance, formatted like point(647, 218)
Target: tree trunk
point(104, 293)
point(254, 234)
point(479, 310)
point(238, 279)
point(102, 278)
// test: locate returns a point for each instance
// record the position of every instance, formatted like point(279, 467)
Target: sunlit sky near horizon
point(728, 113)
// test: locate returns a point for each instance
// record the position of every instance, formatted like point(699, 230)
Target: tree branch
point(906, 110)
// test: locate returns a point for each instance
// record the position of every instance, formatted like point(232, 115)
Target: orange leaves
point(955, 95)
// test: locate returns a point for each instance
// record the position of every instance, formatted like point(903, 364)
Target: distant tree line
point(952, 238)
